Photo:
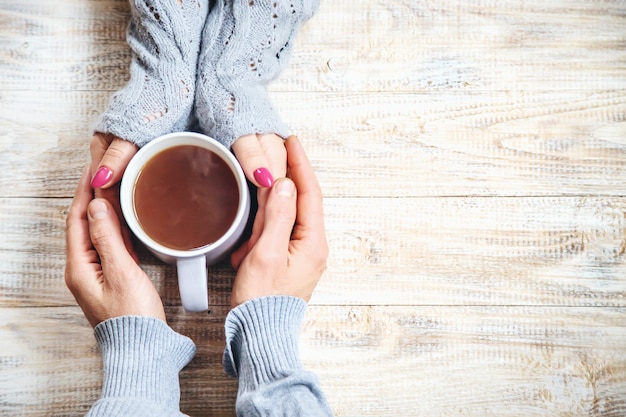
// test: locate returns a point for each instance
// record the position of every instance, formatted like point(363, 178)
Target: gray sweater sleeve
point(219, 65)
point(262, 352)
point(164, 37)
point(246, 44)
point(142, 357)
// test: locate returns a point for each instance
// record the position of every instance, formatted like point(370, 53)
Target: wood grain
point(374, 46)
point(378, 145)
point(50, 363)
point(372, 361)
point(472, 156)
point(469, 361)
point(409, 251)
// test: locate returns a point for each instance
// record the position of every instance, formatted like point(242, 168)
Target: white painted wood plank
point(350, 46)
point(372, 361)
point(378, 145)
point(412, 251)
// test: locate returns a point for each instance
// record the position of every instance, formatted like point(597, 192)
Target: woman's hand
point(263, 158)
point(289, 255)
point(100, 272)
point(109, 158)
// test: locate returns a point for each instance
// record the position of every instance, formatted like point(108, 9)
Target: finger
point(114, 160)
point(106, 237)
point(253, 161)
point(112, 195)
point(77, 235)
point(310, 210)
point(280, 215)
point(97, 148)
point(274, 148)
point(259, 216)
point(257, 227)
point(237, 257)
point(78, 245)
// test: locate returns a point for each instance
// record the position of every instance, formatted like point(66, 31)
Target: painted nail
point(102, 177)
point(264, 177)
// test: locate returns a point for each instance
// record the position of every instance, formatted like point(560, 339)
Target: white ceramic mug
point(191, 264)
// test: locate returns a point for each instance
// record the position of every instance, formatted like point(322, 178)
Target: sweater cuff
point(142, 357)
point(262, 340)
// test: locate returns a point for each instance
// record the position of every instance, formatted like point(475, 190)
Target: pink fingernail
point(102, 177)
point(264, 177)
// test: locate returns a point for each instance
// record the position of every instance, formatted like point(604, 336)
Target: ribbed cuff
point(262, 340)
point(142, 357)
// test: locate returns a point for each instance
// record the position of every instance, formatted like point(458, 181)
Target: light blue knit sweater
point(188, 69)
point(143, 356)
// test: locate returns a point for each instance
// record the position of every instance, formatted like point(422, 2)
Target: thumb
point(280, 216)
point(113, 162)
point(106, 235)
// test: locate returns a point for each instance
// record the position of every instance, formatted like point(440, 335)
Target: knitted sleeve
point(245, 45)
point(262, 352)
point(142, 357)
point(164, 37)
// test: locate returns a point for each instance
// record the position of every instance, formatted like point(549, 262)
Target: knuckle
point(321, 263)
point(285, 215)
point(69, 220)
point(324, 254)
point(114, 153)
point(279, 151)
point(268, 261)
point(69, 279)
point(94, 144)
point(99, 143)
point(100, 238)
point(317, 257)
point(316, 190)
point(72, 219)
point(250, 153)
point(72, 281)
point(320, 255)
point(248, 150)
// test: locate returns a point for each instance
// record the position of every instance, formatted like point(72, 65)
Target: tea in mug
point(186, 197)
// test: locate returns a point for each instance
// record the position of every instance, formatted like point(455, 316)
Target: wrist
point(262, 340)
point(142, 357)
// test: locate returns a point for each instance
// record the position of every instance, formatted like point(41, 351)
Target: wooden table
point(473, 160)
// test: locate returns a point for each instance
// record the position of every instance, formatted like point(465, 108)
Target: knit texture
point(246, 44)
point(262, 352)
point(142, 358)
point(164, 36)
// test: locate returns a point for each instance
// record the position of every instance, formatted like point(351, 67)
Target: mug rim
point(158, 145)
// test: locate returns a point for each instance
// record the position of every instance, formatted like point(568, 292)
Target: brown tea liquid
point(186, 197)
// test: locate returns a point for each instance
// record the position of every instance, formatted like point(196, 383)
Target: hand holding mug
point(185, 197)
point(109, 157)
point(100, 272)
point(289, 256)
point(262, 157)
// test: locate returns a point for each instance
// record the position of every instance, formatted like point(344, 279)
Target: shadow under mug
point(191, 264)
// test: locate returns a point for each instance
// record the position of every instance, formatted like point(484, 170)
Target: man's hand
point(289, 256)
point(100, 272)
